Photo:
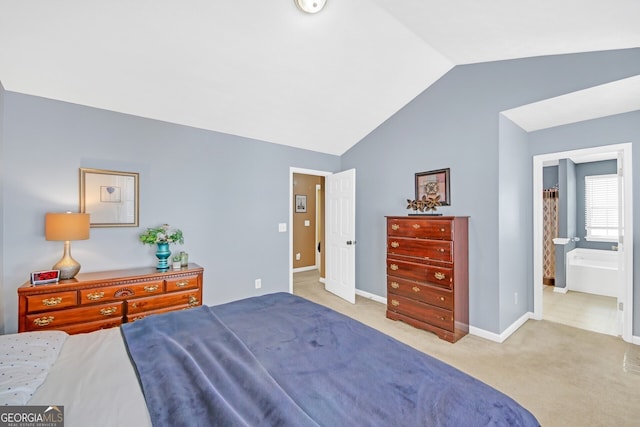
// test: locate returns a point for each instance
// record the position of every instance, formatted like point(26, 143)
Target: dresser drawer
point(440, 250)
point(440, 276)
point(428, 294)
point(51, 301)
point(420, 311)
point(181, 283)
point(54, 319)
point(119, 292)
point(173, 299)
point(421, 228)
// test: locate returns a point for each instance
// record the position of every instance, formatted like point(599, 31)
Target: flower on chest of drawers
point(425, 203)
point(161, 234)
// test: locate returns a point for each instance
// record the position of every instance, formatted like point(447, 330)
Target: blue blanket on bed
point(282, 360)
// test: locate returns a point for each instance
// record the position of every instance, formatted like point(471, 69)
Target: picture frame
point(110, 197)
point(301, 203)
point(434, 183)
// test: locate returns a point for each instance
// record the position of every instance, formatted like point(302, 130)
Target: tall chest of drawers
point(106, 299)
point(428, 273)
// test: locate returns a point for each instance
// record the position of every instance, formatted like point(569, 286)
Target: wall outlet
point(258, 283)
point(515, 298)
point(298, 256)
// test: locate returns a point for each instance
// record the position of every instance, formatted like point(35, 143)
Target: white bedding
point(25, 360)
point(94, 379)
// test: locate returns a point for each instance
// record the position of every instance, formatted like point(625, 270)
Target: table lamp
point(66, 227)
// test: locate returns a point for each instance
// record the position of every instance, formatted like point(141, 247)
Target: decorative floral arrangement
point(426, 203)
point(162, 234)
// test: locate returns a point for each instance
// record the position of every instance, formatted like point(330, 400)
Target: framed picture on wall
point(301, 203)
point(110, 197)
point(432, 184)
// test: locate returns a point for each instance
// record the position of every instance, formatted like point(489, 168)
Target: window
point(601, 207)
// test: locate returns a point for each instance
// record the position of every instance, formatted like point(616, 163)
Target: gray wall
point(2, 244)
point(621, 128)
point(516, 296)
point(454, 123)
point(226, 193)
point(549, 176)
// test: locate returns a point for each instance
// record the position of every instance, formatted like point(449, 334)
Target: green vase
point(163, 253)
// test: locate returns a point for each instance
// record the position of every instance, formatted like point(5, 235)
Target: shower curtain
point(550, 214)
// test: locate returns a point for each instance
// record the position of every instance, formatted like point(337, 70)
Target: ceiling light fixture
point(310, 6)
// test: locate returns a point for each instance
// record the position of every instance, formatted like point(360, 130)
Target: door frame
point(539, 161)
point(294, 170)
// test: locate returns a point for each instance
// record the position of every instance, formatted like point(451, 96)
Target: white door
point(340, 217)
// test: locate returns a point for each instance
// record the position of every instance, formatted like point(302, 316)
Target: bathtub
point(593, 271)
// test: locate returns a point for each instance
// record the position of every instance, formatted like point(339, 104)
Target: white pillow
point(25, 360)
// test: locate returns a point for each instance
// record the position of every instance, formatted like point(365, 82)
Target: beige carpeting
point(565, 376)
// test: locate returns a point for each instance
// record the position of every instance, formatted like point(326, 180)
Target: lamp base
point(68, 266)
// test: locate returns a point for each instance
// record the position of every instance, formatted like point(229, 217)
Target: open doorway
point(622, 153)
point(338, 240)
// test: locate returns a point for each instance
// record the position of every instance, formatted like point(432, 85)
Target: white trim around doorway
point(542, 160)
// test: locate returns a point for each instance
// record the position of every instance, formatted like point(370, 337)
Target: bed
point(276, 359)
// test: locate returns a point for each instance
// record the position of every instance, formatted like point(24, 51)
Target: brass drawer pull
point(95, 296)
point(151, 288)
point(441, 298)
point(108, 311)
point(43, 321)
point(50, 302)
point(416, 226)
point(395, 303)
point(442, 318)
point(439, 275)
point(442, 230)
point(395, 244)
point(394, 267)
point(193, 301)
point(416, 289)
point(395, 227)
point(441, 250)
point(182, 284)
point(395, 285)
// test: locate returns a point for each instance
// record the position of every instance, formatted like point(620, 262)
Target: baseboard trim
point(301, 269)
point(371, 296)
point(500, 338)
point(560, 290)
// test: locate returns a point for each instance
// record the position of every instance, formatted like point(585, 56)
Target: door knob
point(351, 242)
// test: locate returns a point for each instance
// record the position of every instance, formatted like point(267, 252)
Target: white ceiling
point(265, 70)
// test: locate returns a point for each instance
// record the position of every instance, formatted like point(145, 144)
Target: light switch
point(307, 223)
point(282, 227)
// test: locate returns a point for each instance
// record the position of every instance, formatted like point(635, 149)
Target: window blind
point(601, 207)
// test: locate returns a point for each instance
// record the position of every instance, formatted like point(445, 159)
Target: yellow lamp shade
point(66, 226)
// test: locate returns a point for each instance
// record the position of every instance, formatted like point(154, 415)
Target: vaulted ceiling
point(265, 70)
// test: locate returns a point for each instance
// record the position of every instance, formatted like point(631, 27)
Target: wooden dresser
point(428, 273)
point(106, 299)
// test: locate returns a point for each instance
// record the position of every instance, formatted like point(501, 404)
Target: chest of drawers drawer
point(439, 250)
point(181, 283)
point(52, 301)
point(433, 295)
point(424, 312)
point(420, 272)
point(54, 319)
point(120, 292)
point(420, 228)
point(184, 299)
